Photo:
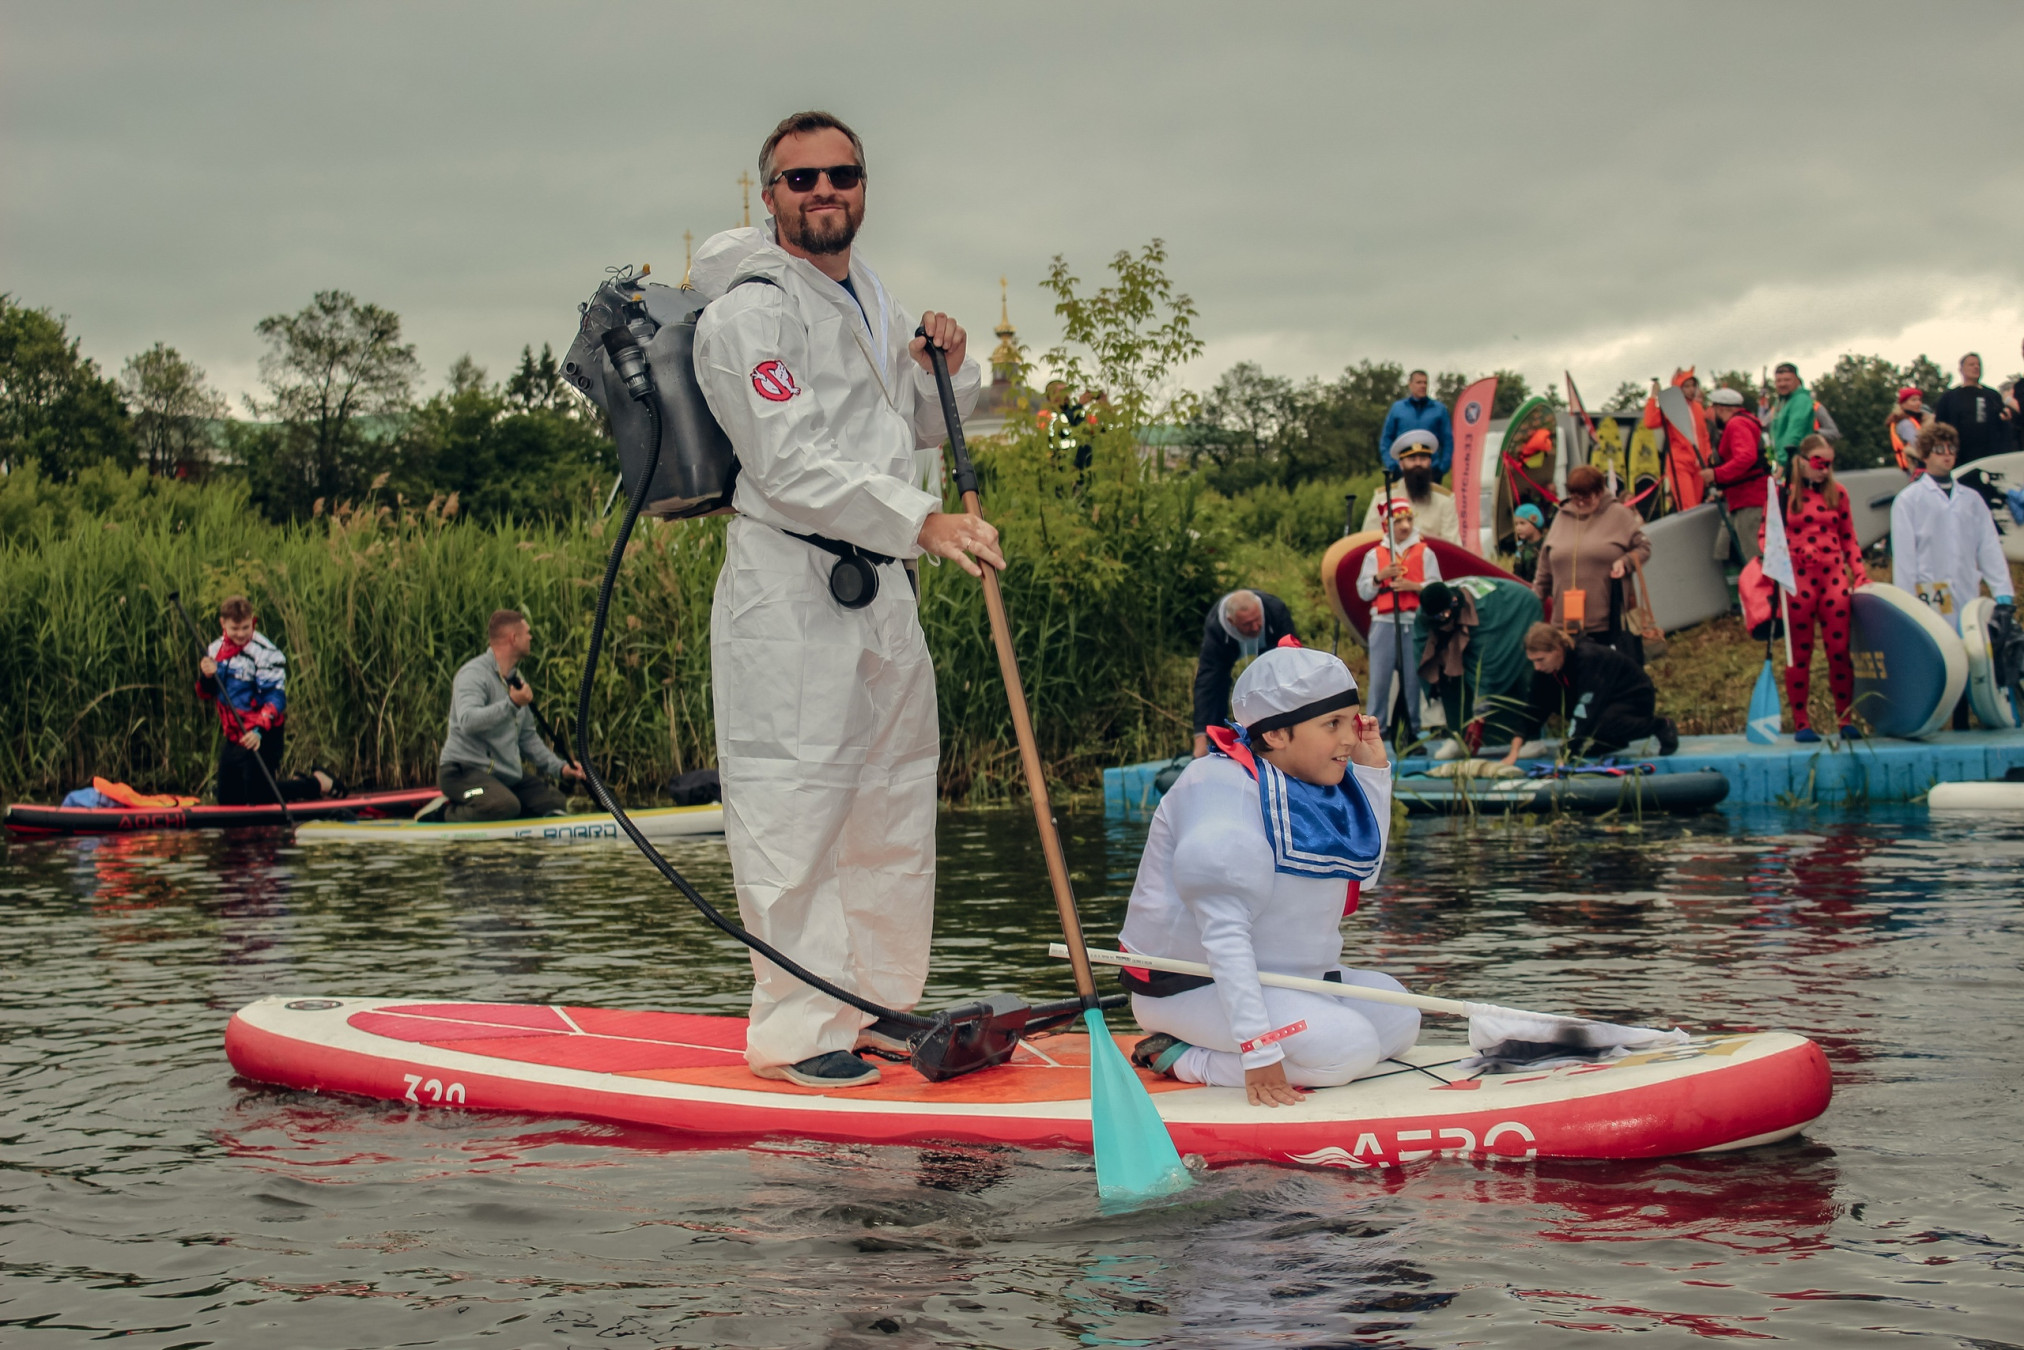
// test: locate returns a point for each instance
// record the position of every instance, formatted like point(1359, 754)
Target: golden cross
point(745, 191)
point(688, 256)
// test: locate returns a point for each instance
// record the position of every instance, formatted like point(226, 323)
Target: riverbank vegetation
point(374, 530)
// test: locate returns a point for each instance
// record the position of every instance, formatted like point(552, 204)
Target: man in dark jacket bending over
point(1604, 699)
point(1241, 624)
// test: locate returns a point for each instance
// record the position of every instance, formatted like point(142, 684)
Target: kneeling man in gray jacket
point(492, 731)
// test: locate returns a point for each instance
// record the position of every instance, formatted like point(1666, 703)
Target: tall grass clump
point(374, 605)
point(377, 604)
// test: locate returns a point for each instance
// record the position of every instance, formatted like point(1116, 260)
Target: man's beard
point(830, 233)
point(1419, 483)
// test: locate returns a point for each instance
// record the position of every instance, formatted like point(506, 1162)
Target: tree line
point(339, 417)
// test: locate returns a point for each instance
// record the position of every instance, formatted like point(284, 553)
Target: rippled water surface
point(148, 1196)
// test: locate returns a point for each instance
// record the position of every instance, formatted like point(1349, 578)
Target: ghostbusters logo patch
point(774, 382)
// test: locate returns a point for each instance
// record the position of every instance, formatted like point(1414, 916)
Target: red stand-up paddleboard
point(24, 818)
point(1344, 560)
point(685, 1072)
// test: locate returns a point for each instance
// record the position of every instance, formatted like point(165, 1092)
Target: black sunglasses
point(842, 177)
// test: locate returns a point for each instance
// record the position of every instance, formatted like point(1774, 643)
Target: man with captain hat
point(1433, 506)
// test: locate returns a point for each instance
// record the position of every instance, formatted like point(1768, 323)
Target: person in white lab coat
point(1254, 857)
point(1943, 540)
point(827, 740)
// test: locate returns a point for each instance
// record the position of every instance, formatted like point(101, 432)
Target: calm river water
point(148, 1197)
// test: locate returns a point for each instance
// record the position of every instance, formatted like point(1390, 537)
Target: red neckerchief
point(1225, 740)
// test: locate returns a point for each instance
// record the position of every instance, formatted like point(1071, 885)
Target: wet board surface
point(1910, 666)
point(1344, 558)
point(685, 1072)
point(31, 819)
point(666, 822)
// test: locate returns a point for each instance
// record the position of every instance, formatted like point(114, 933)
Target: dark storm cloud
point(1611, 187)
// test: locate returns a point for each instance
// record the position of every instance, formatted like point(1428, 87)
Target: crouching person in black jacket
point(1604, 700)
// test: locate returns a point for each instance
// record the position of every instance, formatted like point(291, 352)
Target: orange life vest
point(127, 796)
point(1415, 559)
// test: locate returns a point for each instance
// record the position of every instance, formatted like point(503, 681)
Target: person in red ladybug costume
point(1827, 564)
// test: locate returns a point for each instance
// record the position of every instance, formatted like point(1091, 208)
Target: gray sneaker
point(885, 1034)
point(835, 1069)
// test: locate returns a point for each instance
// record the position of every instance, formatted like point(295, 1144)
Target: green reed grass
point(376, 606)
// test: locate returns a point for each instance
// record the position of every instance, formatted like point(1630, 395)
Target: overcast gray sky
point(1612, 188)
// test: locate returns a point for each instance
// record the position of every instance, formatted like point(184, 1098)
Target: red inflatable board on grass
point(1344, 560)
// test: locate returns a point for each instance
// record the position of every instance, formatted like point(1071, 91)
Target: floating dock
point(1831, 773)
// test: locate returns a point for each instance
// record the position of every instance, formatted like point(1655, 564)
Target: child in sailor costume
point(1254, 857)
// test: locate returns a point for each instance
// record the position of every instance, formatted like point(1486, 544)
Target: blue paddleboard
point(1910, 667)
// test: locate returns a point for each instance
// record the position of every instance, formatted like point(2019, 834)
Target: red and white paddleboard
point(686, 1072)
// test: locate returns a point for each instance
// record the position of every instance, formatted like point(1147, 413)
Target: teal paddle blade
point(1760, 727)
point(1135, 1156)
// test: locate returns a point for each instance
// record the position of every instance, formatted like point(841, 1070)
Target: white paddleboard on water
point(665, 822)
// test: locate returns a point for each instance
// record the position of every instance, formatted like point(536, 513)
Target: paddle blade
point(1135, 1156)
point(1761, 726)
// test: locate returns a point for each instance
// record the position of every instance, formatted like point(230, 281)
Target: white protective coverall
point(827, 740)
point(1943, 545)
point(1207, 891)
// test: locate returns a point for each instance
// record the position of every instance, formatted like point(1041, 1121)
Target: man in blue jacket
point(1418, 411)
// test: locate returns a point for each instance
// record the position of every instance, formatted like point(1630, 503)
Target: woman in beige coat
point(1589, 547)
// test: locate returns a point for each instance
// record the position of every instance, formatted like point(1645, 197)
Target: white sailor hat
point(1291, 684)
point(1415, 441)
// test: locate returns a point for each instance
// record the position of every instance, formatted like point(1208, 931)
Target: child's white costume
point(1944, 546)
point(1246, 869)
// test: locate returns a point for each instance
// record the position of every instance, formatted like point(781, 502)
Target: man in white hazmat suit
point(827, 741)
point(1254, 857)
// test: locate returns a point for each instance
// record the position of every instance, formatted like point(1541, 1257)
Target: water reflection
point(152, 1197)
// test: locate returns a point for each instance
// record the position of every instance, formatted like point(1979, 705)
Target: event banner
point(1472, 424)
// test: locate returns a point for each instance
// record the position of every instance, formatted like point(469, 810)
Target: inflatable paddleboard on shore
point(1994, 476)
point(686, 1072)
point(1910, 666)
point(666, 822)
point(1995, 703)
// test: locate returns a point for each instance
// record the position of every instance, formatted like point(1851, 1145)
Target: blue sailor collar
point(1314, 831)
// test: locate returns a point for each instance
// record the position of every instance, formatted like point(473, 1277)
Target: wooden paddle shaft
point(1036, 776)
point(1453, 1007)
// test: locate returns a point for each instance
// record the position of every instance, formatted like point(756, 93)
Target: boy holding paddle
point(1254, 857)
point(252, 674)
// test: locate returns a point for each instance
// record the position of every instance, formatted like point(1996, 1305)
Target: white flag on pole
point(1777, 562)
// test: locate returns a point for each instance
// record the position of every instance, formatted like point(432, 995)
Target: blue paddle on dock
point(1135, 1156)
